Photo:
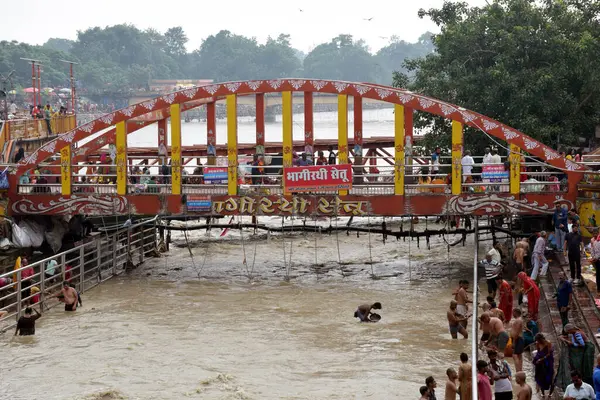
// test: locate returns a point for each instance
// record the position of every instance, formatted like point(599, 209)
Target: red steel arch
point(376, 92)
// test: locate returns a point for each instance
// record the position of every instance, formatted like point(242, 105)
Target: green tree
point(59, 44)
point(175, 40)
point(528, 64)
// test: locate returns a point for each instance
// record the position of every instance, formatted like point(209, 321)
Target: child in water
point(364, 312)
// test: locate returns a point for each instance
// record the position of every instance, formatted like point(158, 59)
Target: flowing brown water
point(162, 333)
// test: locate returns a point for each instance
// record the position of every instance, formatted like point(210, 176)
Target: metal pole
point(474, 349)
point(99, 258)
point(72, 78)
point(81, 268)
point(39, 82)
point(19, 285)
point(42, 286)
point(33, 83)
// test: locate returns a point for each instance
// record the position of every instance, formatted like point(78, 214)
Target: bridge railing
point(372, 175)
point(84, 266)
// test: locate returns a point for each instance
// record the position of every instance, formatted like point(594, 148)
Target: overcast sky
point(35, 21)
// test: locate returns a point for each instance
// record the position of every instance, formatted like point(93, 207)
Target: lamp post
point(72, 79)
point(33, 78)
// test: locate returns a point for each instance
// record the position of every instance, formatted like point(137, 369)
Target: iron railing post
point(63, 266)
point(81, 267)
point(474, 349)
point(99, 258)
point(19, 284)
point(143, 242)
point(42, 286)
point(114, 247)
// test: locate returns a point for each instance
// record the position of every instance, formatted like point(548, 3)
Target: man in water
point(494, 310)
point(26, 324)
point(524, 390)
point(451, 389)
point(519, 257)
point(431, 385)
point(516, 334)
point(364, 311)
point(462, 300)
point(498, 336)
point(454, 322)
point(69, 296)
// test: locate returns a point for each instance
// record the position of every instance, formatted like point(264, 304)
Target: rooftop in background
point(169, 85)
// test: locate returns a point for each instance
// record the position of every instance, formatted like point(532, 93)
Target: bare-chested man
point(519, 256)
point(524, 391)
point(498, 336)
point(454, 322)
point(68, 295)
point(364, 311)
point(451, 389)
point(462, 301)
point(516, 335)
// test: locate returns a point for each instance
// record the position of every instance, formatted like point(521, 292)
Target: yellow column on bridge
point(121, 158)
point(65, 170)
point(288, 130)
point(232, 142)
point(457, 153)
point(399, 133)
point(175, 149)
point(343, 133)
point(515, 169)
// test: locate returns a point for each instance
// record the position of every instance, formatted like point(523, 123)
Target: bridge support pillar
point(457, 151)
point(288, 126)
point(211, 134)
point(309, 124)
point(162, 137)
point(260, 123)
point(175, 149)
point(343, 133)
point(232, 142)
point(121, 161)
point(358, 126)
point(408, 142)
point(66, 166)
point(399, 133)
point(515, 169)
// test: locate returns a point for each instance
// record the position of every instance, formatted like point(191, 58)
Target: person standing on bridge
point(560, 222)
point(435, 161)
point(332, 156)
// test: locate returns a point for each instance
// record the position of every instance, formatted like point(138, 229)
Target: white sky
point(35, 21)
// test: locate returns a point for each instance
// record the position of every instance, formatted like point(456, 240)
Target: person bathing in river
point(462, 300)
point(516, 335)
point(451, 389)
point(494, 310)
point(506, 298)
point(498, 336)
point(454, 321)
point(524, 391)
point(69, 296)
point(26, 324)
point(364, 311)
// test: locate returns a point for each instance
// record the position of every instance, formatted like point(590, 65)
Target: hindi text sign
point(318, 178)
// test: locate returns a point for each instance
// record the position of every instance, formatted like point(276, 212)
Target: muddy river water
point(163, 333)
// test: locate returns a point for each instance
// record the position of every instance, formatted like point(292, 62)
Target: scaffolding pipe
point(474, 355)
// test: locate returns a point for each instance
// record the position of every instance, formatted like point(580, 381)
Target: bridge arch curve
point(376, 92)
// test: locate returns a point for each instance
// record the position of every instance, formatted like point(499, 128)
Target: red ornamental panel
point(317, 178)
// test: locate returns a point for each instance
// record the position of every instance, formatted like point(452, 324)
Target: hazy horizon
point(202, 19)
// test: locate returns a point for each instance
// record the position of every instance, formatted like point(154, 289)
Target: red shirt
point(484, 389)
point(27, 273)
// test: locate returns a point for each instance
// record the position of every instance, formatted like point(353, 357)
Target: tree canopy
point(122, 57)
point(527, 63)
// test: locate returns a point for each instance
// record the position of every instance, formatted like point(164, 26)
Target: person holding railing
point(26, 324)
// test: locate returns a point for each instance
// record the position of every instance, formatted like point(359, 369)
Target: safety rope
point(244, 262)
point(337, 239)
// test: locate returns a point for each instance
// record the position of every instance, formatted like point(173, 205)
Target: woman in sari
point(533, 297)
point(543, 362)
point(506, 298)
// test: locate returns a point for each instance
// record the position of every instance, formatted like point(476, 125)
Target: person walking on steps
point(573, 247)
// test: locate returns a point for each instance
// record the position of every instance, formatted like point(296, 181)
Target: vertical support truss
point(175, 149)
point(232, 143)
point(343, 132)
point(399, 149)
point(121, 161)
point(288, 125)
point(515, 169)
point(66, 170)
point(457, 150)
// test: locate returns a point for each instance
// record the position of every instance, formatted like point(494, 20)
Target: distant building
point(170, 85)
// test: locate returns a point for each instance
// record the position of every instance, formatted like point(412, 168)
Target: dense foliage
point(122, 57)
point(531, 64)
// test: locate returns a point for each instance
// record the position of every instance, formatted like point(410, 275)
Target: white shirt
point(585, 391)
point(495, 159)
point(12, 109)
point(501, 385)
point(487, 159)
point(467, 163)
point(495, 255)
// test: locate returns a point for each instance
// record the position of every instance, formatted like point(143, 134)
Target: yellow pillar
point(232, 151)
point(65, 170)
point(175, 149)
point(457, 151)
point(515, 169)
point(121, 161)
point(288, 131)
point(399, 149)
point(343, 133)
